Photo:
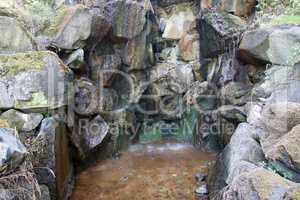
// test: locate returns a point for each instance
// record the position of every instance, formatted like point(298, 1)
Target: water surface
point(156, 171)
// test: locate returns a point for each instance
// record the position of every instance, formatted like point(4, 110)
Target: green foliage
point(273, 12)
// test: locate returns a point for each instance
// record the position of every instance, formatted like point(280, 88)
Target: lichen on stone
point(12, 64)
point(38, 99)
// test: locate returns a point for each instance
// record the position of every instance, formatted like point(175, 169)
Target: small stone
point(200, 177)
point(202, 190)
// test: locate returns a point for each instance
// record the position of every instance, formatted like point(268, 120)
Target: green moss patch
point(14, 63)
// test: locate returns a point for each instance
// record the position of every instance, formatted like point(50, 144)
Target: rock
point(202, 190)
point(20, 41)
point(189, 47)
point(260, 184)
point(45, 194)
point(105, 67)
point(281, 80)
point(218, 31)
point(179, 22)
point(134, 53)
point(100, 26)
point(51, 158)
point(200, 177)
point(242, 8)
point(35, 80)
point(70, 27)
point(276, 45)
point(22, 121)
point(281, 117)
point(86, 99)
point(233, 113)
point(286, 149)
point(180, 76)
point(127, 17)
point(88, 134)
point(21, 185)
point(12, 151)
point(75, 59)
point(243, 146)
point(166, 3)
point(236, 93)
point(222, 70)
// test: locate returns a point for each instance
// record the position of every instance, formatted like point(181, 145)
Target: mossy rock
point(33, 80)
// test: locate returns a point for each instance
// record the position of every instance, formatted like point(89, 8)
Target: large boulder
point(35, 80)
point(105, 62)
point(261, 184)
point(22, 121)
point(51, 158)
point(218, 31)
point(12, 151)
point(286, 149)
point(134, 53)
point(70, 27)
point(276, 45)
point(21, 39)
point(243, 147)
point(128, 17)
point(179, 22)
point(88, 134)
point(283, 81)
point(281, 117)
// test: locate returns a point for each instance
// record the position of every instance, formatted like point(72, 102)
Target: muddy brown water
point(156, 171)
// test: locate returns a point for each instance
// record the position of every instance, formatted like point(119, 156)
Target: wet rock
point(88, 134)
point(22, 121)
point(20, 41)
point(35, 80)
point(86, 99)
point(179, 22)
point(200, 177)
point(105, 67)
point(219, 32)
point(236, 93)
point(202, 190)
point(233, 113)
point(12, 151)
point(51, 158)
point(276, 45)
point(134, 53)
point(70, 27)
point(127, 17)
point(75, 59)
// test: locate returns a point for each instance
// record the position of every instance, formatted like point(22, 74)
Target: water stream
point(151, 171)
